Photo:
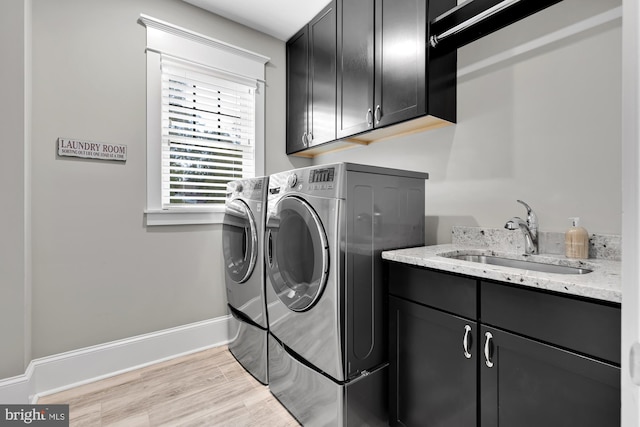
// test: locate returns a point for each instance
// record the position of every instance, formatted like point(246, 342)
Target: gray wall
point(98, 273)
point(14, 212)
point(544, 128)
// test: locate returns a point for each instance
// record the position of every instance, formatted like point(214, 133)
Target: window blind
point(208, 133)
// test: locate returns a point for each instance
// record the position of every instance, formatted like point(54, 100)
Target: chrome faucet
point(529, 229)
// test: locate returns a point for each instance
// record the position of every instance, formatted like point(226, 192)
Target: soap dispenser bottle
point(576, 241)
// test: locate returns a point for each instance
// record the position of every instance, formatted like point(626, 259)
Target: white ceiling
point(279, 18)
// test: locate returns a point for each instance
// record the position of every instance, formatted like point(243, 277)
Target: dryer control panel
point(247, 189)
point(322, 175)
point(320, 181)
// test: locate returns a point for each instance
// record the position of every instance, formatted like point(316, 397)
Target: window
point(208, 134)
point(205, 123)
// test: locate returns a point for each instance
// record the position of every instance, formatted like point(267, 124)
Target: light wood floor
point(208, 388)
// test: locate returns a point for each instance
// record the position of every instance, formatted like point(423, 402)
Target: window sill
point(183, 217)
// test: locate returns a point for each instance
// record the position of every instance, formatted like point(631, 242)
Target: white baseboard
point(65, 370)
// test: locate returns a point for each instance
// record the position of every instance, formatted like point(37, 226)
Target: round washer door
point(239, 240)
point(297, 253)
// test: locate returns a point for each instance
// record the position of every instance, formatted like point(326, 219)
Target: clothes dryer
point(326, 299)
point(242, 245)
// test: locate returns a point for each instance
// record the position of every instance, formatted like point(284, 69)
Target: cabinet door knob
point(378, 114)
point(487, 349)
point(369, 117)
point(465, 341)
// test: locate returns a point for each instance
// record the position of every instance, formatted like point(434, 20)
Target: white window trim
point(165, 38)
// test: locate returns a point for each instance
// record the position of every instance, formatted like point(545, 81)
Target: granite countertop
point(603, 283)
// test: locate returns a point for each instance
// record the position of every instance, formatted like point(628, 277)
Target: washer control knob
point(292, 180)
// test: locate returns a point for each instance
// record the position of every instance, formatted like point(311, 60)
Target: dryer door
point(297, 253)
point(239, 241)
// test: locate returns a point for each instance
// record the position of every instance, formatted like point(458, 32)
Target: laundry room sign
point(91, 150)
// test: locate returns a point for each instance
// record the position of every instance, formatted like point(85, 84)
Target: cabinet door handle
point(378, 114)
point(487, 349)
point(309, 139)
point(465, 341)
point(304, 139)
point(369, 117)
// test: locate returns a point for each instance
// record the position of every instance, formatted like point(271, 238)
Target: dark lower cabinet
point(434, 381)
point(526, 383)
point(498, 355)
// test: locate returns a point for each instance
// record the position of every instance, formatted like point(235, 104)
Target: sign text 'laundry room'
point(91, 150)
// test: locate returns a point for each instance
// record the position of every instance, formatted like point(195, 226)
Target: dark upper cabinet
point(311, 83)
point(363, 65)
point(385, 71)
point(366, 70)
point(297, 90)
point(400, 61)
point(355, 66)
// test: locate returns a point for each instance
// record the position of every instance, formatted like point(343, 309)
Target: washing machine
point(242, 246)
point(326, 227)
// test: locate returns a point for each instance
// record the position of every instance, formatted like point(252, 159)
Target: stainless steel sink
point(521, 264)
